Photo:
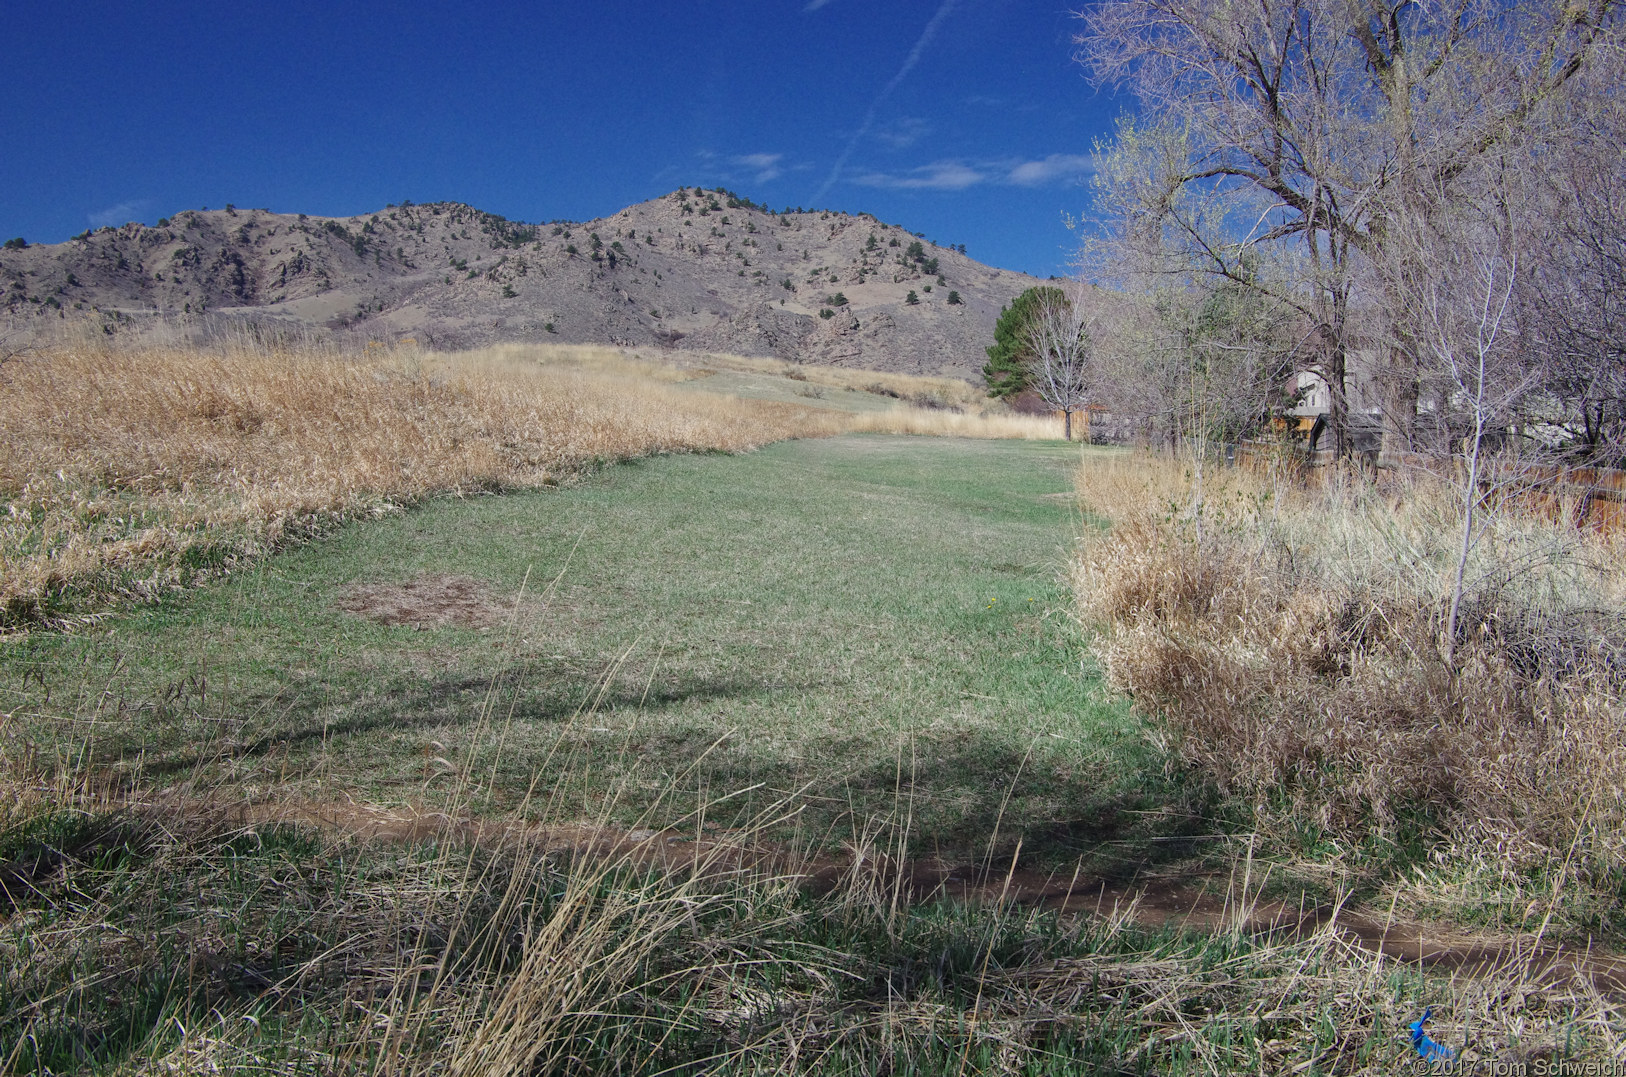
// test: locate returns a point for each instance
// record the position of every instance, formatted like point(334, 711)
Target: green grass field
point(871, 626)
point(867, 633)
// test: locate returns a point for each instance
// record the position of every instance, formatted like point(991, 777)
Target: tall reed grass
point(1290, 641)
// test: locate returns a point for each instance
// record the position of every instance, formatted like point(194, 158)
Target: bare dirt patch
point(434, 601)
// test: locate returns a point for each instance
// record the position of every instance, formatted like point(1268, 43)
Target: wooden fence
point(1586, 496)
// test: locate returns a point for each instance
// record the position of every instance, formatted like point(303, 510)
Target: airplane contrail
point(886, 91)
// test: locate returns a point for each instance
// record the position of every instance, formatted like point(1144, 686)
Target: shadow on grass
point(439, 702)
point(966, 796)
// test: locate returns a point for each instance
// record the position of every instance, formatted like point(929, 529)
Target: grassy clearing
point(824, 643)
point(127, 473)
point(1292, 643)
point(834, 617)
point(853, 651)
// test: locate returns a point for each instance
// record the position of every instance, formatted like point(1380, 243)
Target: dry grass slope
point(129, 472)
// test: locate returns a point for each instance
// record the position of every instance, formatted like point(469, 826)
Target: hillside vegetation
point(692, 270)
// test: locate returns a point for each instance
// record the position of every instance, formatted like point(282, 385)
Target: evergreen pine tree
point(1006, 371)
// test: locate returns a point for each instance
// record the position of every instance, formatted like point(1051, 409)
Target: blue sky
point(966, 120)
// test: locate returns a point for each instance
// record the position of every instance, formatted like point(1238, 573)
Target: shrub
point(912, 299)
point(826, 313)
point(1290, 644)
point(17, 243)
point(954, 299)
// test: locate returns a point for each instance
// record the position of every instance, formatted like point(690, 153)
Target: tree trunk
point(1067, 423)
point(1338, 404)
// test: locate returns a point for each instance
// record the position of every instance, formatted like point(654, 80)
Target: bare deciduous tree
point(1464, 299)
point(1060, 354)
point(1295, 131)
point(1574, 295)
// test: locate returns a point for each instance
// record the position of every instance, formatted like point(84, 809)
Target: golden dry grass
point(643, 364)
point(938, 391)
point(1291, 643)
point(659, 365)
point(127, 472)
point(932, 422)
point(132, 471)
point(928, 406)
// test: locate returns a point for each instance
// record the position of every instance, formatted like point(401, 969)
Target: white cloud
point(119, 214)
point(938, 176)
point(1047, 170)
point(814, 5)
point(1058, 168)
point(765, 165)
point(902, 132)
point(709, 168)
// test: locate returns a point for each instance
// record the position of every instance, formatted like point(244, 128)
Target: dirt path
point(1152, 903)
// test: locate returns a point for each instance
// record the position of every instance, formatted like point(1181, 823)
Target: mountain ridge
point(692, 269)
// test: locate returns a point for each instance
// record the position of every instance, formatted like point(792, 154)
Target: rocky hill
point(694, 269)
